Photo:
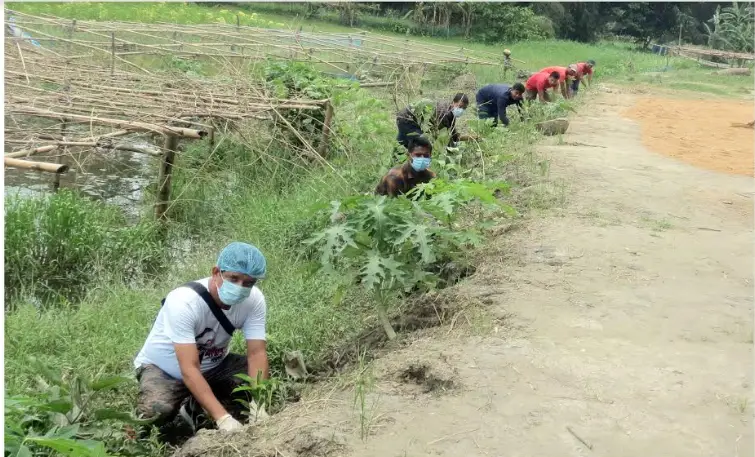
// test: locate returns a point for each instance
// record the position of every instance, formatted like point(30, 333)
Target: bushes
point(502, 23)
point(56, 245)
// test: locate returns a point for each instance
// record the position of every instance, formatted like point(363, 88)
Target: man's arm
point(541, 95)
point(188, 361)
point(501, 107)
point(563, 88)
point(589, 78)
point(256, 357)
point(520, 109)
point(389, 186)
point(451, 123)
point(179, 327)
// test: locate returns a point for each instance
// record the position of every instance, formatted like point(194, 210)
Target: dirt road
point(626, 317)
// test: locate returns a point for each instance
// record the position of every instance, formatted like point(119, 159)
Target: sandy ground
point(621, 326)
point(698, 132)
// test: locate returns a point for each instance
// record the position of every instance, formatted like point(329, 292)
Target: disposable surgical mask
point(420, 163)
point(233, 294)
point(457, 111)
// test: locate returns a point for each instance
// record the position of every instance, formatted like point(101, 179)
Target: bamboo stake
point(164, 177)
point(325, 142)
point(56, 168)
point(23, 63)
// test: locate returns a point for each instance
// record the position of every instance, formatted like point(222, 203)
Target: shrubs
point(55, 245)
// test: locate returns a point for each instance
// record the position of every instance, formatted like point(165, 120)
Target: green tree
point(646, 21)
point(733, 28)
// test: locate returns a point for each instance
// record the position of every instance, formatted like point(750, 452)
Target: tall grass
point(55, 246)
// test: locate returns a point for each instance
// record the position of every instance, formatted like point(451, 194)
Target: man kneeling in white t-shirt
point(186, 355)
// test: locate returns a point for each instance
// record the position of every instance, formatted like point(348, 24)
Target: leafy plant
point(733, 28)
point(262, 391)
point(299, 80)
point(62, 418)
point(397, 244)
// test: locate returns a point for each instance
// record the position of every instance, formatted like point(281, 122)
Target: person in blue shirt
point(493, 99)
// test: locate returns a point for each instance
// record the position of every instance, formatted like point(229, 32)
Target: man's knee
point(160, 395)
point(157, 410)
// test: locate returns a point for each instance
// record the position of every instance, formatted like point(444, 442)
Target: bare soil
point(618, 325)
point(703, 133)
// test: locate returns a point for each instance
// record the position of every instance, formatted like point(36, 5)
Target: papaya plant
point(392, 245)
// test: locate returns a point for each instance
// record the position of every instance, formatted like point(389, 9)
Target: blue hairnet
point(242, 258)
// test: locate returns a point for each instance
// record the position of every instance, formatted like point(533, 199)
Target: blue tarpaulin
point(17, 32)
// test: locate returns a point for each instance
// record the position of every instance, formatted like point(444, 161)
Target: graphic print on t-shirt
point(206, 348)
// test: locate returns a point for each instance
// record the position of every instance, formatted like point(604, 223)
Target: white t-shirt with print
point(185, 318)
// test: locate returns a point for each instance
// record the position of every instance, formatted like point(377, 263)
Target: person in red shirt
point(538, 84)
point(565, 75)
point(583, 68)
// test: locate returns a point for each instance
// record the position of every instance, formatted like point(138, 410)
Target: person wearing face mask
point(427, 116)
point(493, 100)
point(185, 360)
point(416, 170)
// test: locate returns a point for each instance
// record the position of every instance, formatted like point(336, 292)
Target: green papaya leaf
point(111, 414)
point(23, 451)
point(70, 447)
point(58, 406)
point(69, 431)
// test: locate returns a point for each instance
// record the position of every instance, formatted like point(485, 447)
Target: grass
point(241, 198)
point(364, 384)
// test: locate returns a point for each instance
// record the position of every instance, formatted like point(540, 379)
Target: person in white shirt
point(186, 355)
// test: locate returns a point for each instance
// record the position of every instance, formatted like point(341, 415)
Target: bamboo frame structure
point(345, 52)
point(71, 85)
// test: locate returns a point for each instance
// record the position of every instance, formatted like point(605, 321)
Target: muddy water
point(114, 177)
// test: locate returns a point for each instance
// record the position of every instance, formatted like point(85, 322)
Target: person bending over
point(425, 116)
point(493, 99)
point(185, 359)
point(538, 84)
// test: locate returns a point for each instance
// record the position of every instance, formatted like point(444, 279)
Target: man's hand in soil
point(228, 424)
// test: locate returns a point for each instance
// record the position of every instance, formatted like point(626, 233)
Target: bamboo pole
point(94, 48)
point(128, 125)
point(54, 143)
point(112, 57)
point(325, 142)
point(31, 152)
point(107, 135)
point(164, 177)
point(56, 168)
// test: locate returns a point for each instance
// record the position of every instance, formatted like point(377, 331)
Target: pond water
point(114, 177)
